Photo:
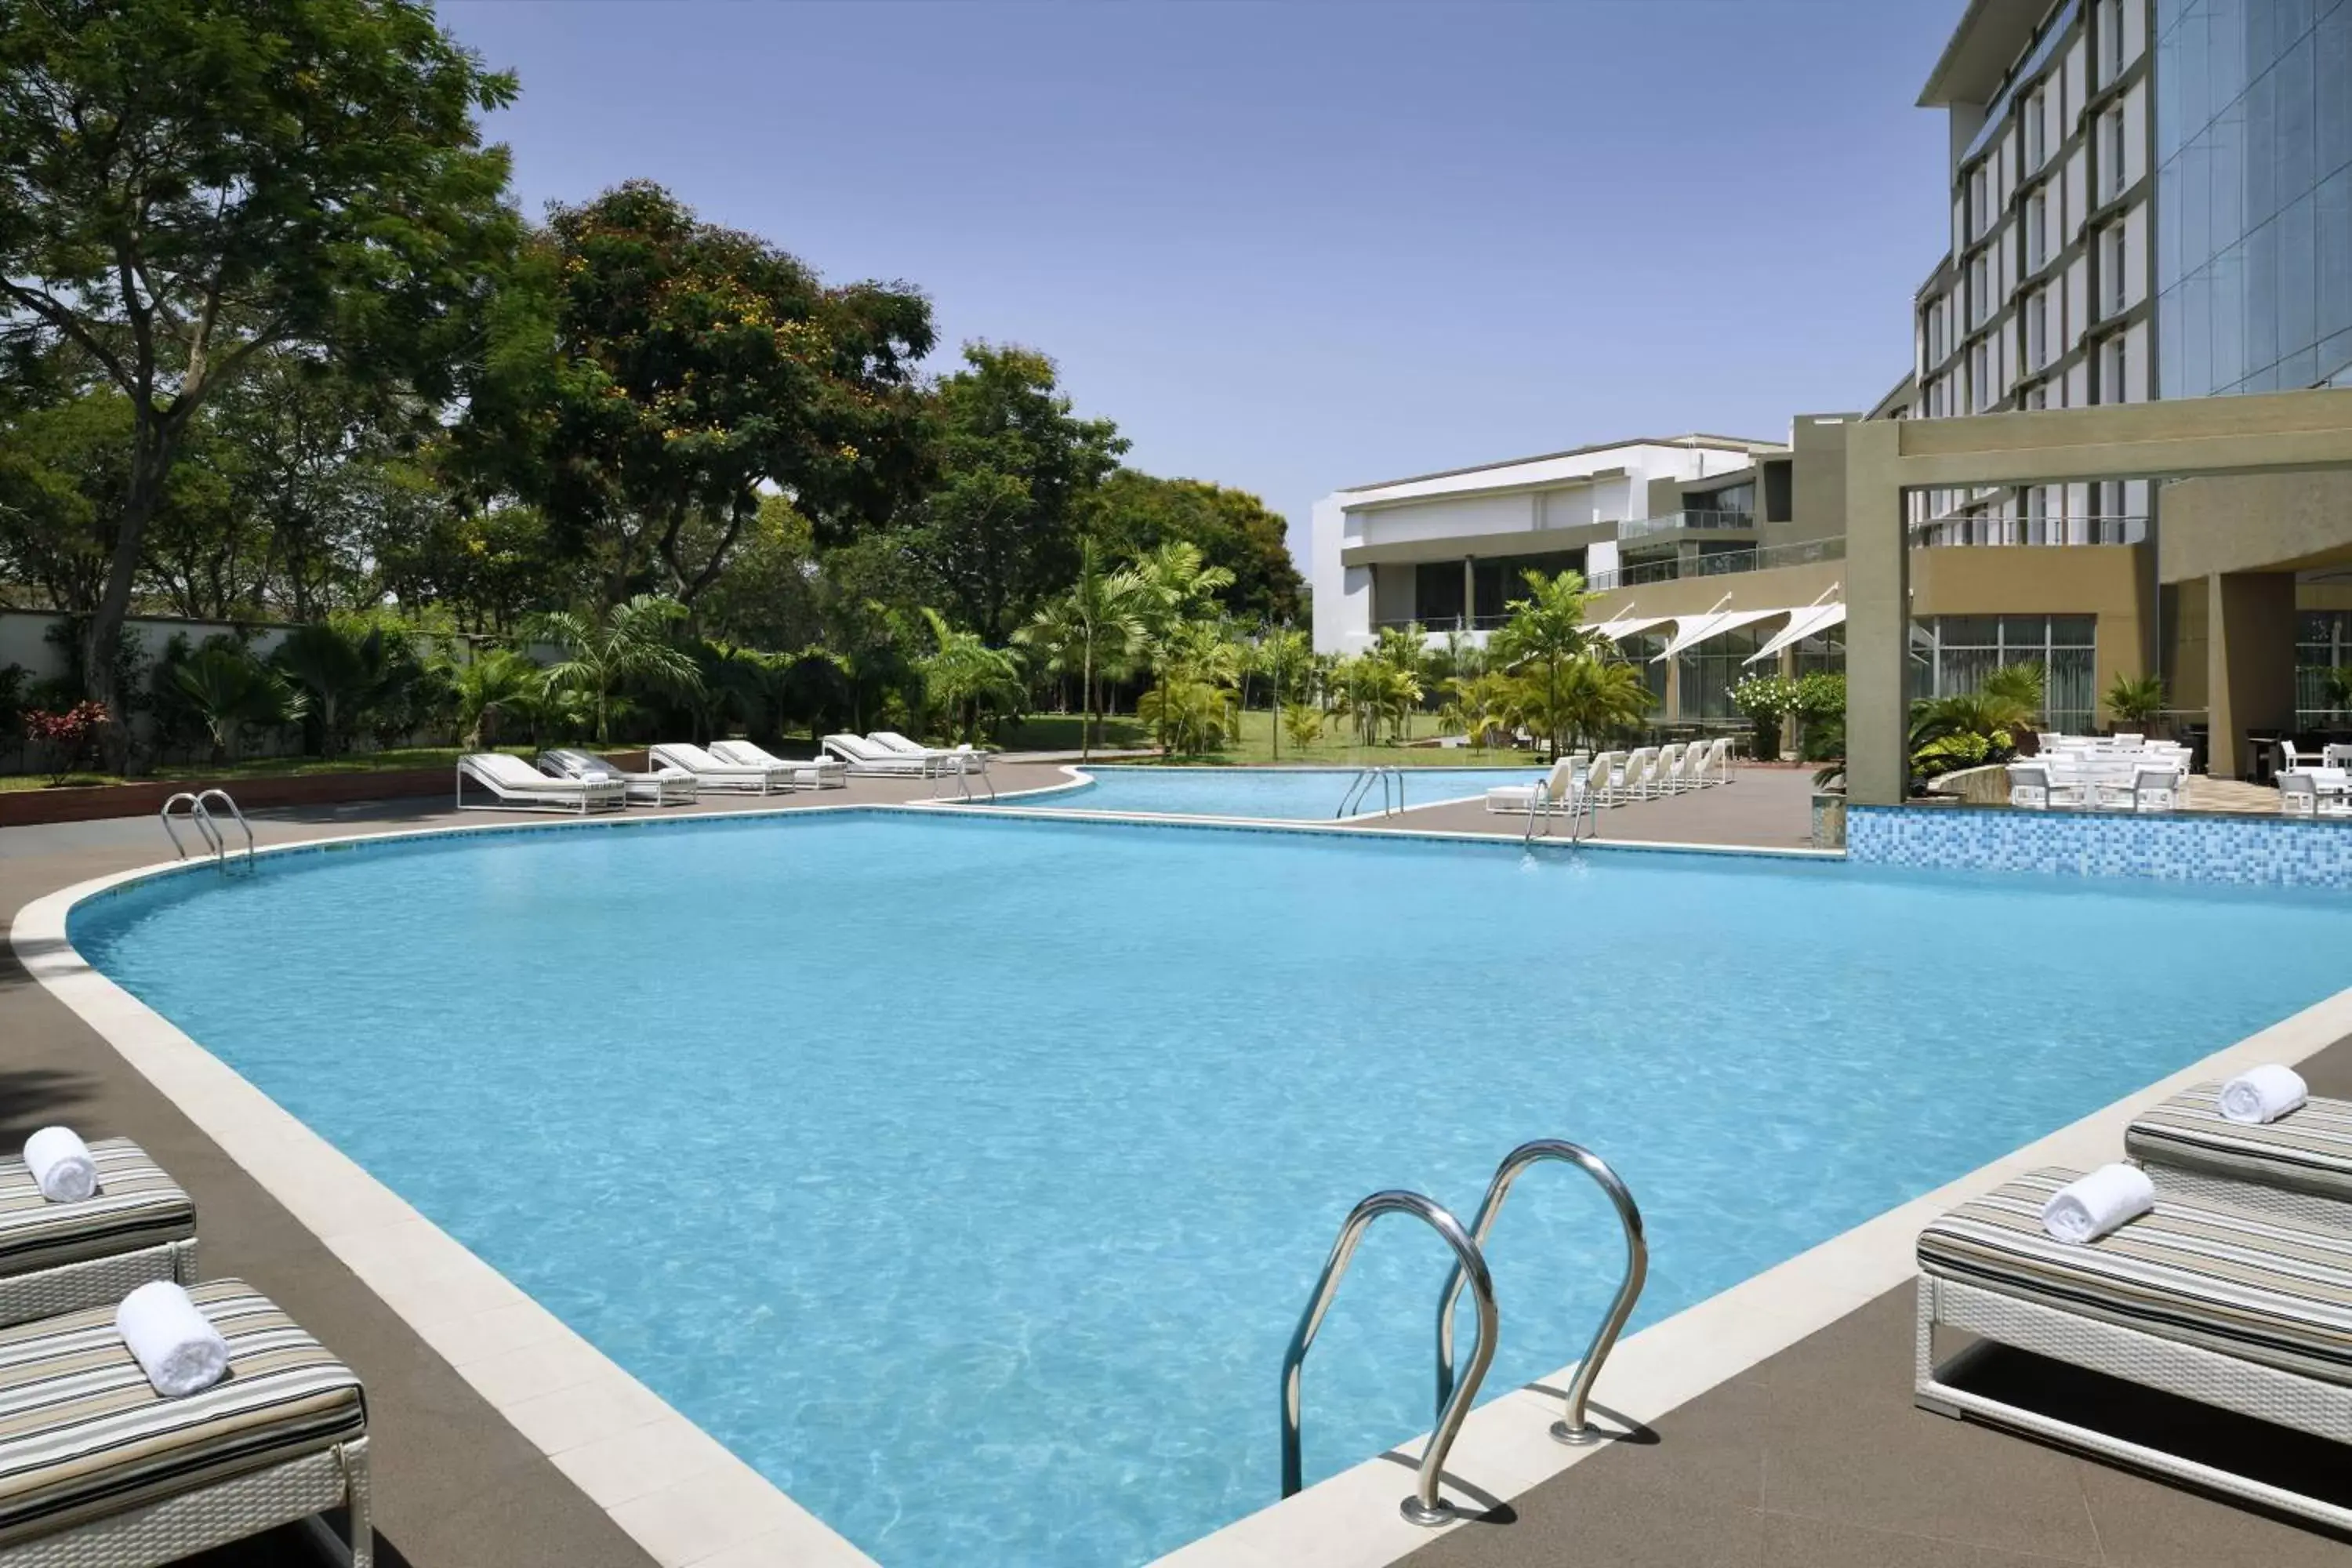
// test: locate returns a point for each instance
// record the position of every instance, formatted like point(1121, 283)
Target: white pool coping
point(691, 1504)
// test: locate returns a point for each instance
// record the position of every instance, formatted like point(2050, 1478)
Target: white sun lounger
point(807, 772)
point(711, 773)
point(663, 786)
point(516, 786)
point(891, 740)
point(863, 756)
point(64, 1258)
point(2228, 1306)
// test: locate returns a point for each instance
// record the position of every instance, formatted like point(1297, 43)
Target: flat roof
point(1990, 37)
point(1719, 443)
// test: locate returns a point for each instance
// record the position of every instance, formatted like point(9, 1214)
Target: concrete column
point(2250, 661)
point(1469, 593)
point(1672, 713)
point(1877, 617)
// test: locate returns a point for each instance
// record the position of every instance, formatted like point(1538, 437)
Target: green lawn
point(274, 767)
point(1256, 747)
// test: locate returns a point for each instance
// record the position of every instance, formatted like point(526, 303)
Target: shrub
point(71, 736)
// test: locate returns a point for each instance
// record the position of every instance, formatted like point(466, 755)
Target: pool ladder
point(962, 776)
point(208, 828)
point(1585, 808)
point(1423, 1505)
point(1385, 775)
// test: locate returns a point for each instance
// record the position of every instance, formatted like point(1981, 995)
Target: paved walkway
point(1767, 807)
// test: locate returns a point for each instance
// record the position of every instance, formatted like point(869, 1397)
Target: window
point(1979, 202)
point(2323, 643)
point(1935, 333)
point(2037, 231)
point(2112, 365)
point(1979, 290)
point(1980, 375)
point(1951, 655)
point(2037, 329)
point(2111, 154)
point(2111, 40)
point(2114, 291)
point(1710, 669)
point(2037, 149)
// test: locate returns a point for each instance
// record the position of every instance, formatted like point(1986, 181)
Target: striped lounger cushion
point(137, 1205)
point(83, 1434)
point(2307, 1151)
point(2199, 1273)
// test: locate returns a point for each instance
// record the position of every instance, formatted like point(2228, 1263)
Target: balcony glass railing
point(1684, 522)
point(1720, 564)
point(1967, 531)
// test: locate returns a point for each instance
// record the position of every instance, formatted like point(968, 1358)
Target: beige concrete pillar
point(1877, 617)
point(2250, 662)
point(1671, 713)
point(1469, 593)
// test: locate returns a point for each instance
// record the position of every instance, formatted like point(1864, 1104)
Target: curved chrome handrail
point(1359, 788)
point(1423, 1505)
point(220, 843)
point(1572, 1427)
point(195, 815)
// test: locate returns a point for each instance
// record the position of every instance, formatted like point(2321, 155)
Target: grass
point(402, 758)
point(1254, 747)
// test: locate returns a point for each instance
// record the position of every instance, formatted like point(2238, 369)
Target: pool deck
point(1813, 1455)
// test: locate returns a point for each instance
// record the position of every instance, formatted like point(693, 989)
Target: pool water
point(1296, 794)
point(966, 1175)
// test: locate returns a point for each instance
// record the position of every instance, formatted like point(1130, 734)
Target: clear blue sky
point(1299, 246)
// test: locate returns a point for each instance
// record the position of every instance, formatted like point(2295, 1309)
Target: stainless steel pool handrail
point(220, 840)
point(1423, 1505)
point(1573, 1428)
point(1384, 775)
point(195, 815)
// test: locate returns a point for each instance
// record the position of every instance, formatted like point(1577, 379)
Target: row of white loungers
point(1650, 772)
point(742, 766)
point(889, 755)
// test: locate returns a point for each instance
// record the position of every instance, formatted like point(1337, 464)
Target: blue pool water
point(1297, 795)
point(966, 1175)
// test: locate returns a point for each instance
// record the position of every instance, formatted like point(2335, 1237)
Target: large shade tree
point(653, 375)
point(188, 184)
point(1138, 512)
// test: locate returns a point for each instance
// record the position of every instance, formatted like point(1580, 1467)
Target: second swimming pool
point(1294, 794)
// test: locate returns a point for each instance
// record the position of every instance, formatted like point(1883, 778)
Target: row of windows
point(1982, 383)
point(1951, 655)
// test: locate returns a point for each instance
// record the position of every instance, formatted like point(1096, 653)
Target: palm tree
point(628, 642)
point(2136, 703)
point(496, 683)
point(1597, 698)
point(337, 669)
point(1095, 625)
point(230, 688)
point(1174, 589)
point(1545, 635)
point(961, 671)
point(1284, 657)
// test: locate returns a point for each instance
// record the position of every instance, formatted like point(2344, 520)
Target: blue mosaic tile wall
point(2275, 851)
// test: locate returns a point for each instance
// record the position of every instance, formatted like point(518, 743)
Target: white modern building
point(1447, 551)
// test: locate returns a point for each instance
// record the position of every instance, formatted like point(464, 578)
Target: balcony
point(1675, 523)
point(1967, 532)
point(1722, 564)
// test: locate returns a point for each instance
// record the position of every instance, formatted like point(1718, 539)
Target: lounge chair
point(96, 1468)
point(2299, 1167)
point(715, 773)
point(1605, 778)
point(2208, 1301)
point(1560, 793)
point(891, 740)
point(863, 756)
point(1690, 776)
point(516, 786)
point(1626, 782)
point(807, 772)
point(62, 1257)
point(663, 786)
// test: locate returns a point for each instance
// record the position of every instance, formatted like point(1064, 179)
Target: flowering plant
point(71, 736)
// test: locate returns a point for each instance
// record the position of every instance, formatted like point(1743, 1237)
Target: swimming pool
point(965, 1174)
point(1296, 794)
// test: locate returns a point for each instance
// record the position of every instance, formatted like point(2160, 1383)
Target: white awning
point(1692, 630)
point(1626, 625)
point(1805, 623)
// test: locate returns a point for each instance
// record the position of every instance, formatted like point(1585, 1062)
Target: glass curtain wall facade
point(1710, 671)
point(1951, 655)
point(2323, 645)
point(2253, 208)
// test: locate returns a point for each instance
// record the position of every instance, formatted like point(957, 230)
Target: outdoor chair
point(516, 786)
point(714, 773)
point(2298, 1167)
point(65, 1257)
point(663, 787)
point(807, 772)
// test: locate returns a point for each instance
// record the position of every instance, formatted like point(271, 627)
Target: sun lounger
point(62, 1257)
point(515, 786)
point(891, 740)
point(1560, 793)
point(716, 773)
point(863, 756)
point(663, 786)
point(2299, 1166)
point(806, 773)
point(97, 1467)
point(2231, 1308)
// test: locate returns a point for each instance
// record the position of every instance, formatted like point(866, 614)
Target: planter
point(25, 808)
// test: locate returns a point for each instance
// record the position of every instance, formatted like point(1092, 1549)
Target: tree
point(626, 644)
point(1590, 698)
point(652, 371)
point(492, 686)
point(962, 674)
point(188, 185)
point(1284, 658)
point(231, 690)
point(1092, 627)
point(2137, 702)
point(1233, 529)
point(1545, 635)
point(1016, 476)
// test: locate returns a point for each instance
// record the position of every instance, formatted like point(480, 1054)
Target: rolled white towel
point(61, 1165)
point(175, 1344)
point(2089, 1208)
point(2263, 1094)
